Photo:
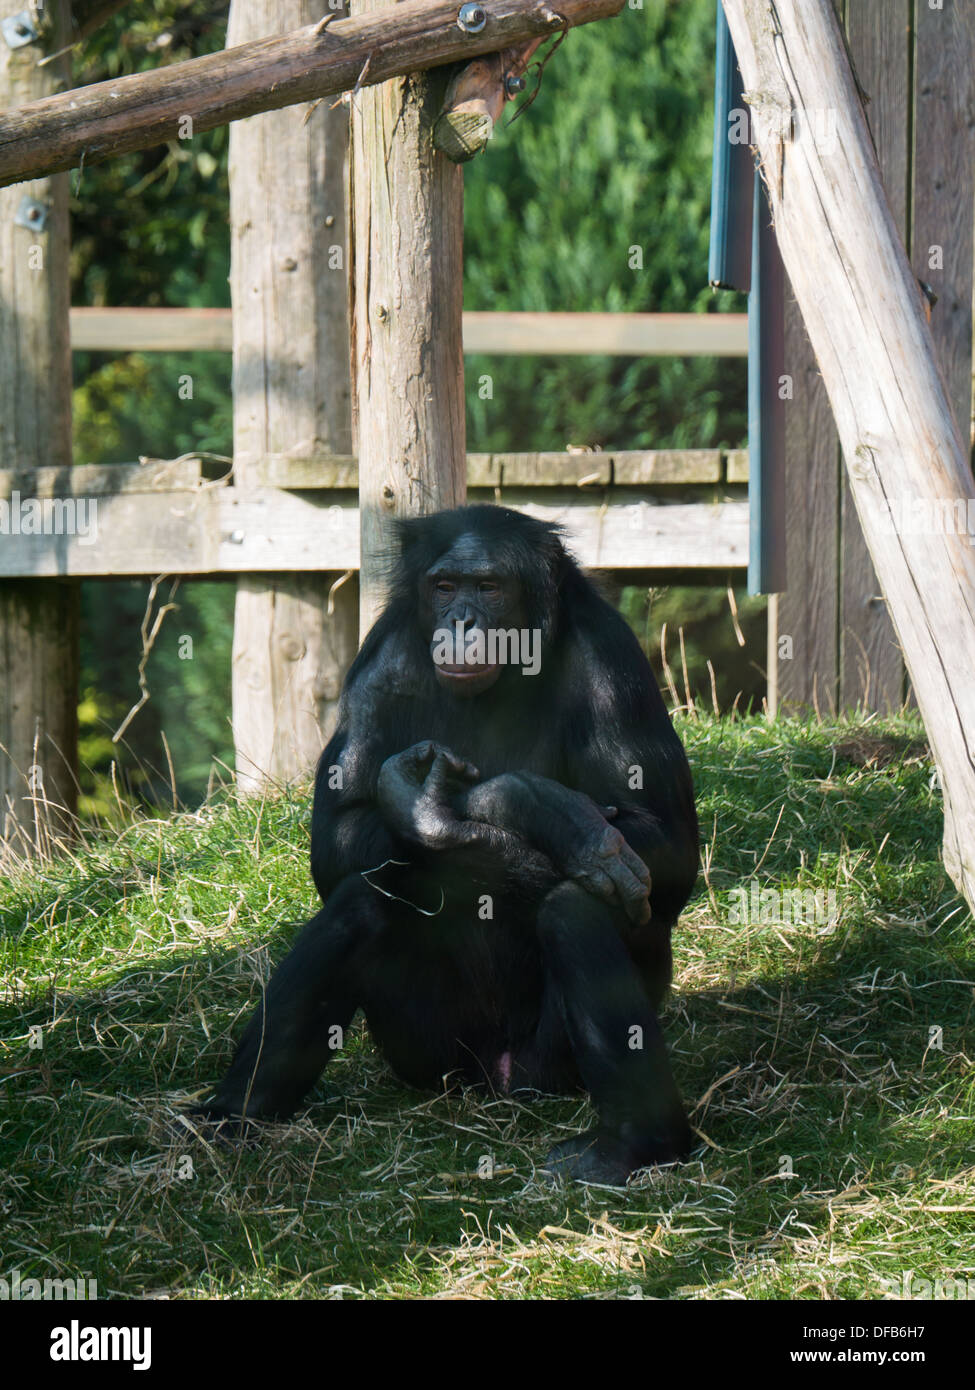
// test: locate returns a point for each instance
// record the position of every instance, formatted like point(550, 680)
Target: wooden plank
point(226, 530)
point(39, 623)
point(316, 471)
point(766, 405)
point(289, 289)
point(641, 335)
point(656, 466)
point(407, 302)
point(103, 479)
point(807, 611)
point(644, 534)
point(866, 322)
point(633, 468)
point(557, 469)
point(151, 330)
point(633, 335)
point(944, 186)
point(736, 466)
point(148, 108)
point(871, 666)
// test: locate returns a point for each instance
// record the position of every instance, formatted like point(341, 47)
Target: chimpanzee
point(503, 836)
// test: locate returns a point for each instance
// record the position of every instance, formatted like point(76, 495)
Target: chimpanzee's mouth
point(464, 672)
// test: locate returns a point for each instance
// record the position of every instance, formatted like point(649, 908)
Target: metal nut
point(19, 29)
point(32, 213)
point(471, 18)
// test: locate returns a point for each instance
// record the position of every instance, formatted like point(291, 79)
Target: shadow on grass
point(827, 1068)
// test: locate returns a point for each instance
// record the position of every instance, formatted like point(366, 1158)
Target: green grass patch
point(826, 1055)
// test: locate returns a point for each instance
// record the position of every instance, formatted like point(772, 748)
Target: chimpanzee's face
point(465, 588)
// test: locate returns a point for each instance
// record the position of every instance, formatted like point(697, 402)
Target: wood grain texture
point(407, 347)
point(635, 335)
point(871, 665)
point(38, 622)
point(944, 186)
point(808, 663)
point(291, 397)
point(559, 335)
point(335, 472)
point(146, 108)
point(864, 315)
point(273, 532)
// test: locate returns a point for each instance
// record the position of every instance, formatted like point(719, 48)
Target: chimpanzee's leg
point(312, 994)
point(616, 1041)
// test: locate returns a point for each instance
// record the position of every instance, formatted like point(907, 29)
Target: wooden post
point(863, 311)
point(943, 172)
point(291, 397)
point(407, 364)
point(871, 668)
point(38, 618)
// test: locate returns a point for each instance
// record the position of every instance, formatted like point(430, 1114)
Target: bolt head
point(471, 18)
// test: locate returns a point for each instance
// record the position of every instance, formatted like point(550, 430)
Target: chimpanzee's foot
point(600, 1157)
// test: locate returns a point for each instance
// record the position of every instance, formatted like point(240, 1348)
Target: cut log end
point(463, 133)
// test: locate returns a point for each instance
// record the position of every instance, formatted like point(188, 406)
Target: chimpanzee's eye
point(444, 586)
point(488, 587)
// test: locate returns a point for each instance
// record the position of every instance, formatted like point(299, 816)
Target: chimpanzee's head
point(485, 582)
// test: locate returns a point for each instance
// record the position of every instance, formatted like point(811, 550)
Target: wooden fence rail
point(638, 511)
point(558, 334)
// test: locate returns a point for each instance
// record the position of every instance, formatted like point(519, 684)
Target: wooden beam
point(654, 469)
point(865, 319)
point(320, 60)
point(871, 668)
point(229, 531)
point(623, 335)
point(293, 638)
point(943, 171)
point(151, 330)
point(807, 612)
point(633, 335)
point(407, 353)
point(38, 622)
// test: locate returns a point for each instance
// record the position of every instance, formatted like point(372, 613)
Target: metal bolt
point(382, 313)
point(329, 221)
point(236, 538)
point(513, 84)
point(19, 29)
point(471, 18)
point(31, 213)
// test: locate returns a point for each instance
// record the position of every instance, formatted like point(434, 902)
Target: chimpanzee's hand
point(598, 858)
point(414, 791)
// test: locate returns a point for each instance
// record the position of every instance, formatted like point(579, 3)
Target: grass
point(836, 1124)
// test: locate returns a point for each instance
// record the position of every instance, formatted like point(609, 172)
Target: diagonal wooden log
point(476, 98)
point(319, 60)
point(908, 469)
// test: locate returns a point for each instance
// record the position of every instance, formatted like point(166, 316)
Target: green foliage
point(614, 154)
